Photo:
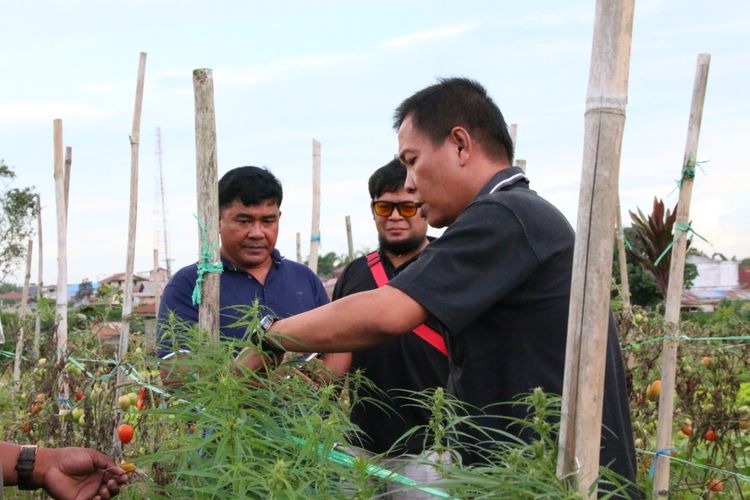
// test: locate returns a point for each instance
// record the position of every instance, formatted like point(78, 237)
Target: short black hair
point(387, 179)
point(251, 185)
point(460, 102)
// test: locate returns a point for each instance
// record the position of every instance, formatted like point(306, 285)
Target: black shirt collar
point(507, 177)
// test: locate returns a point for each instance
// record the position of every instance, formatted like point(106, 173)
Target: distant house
point(717, 280)
point(117, 280)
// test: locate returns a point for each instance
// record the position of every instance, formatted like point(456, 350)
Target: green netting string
point(688, 173)
point(728, 473)
point(205, 265)
point(685, 339)
point(628, 245)
point(684, 228)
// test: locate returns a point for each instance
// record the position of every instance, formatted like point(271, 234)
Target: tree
point(17, 212)
point(327, 263)
point(85, 290)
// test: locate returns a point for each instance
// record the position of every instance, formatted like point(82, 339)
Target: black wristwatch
point(25, 468)
point(268, 345)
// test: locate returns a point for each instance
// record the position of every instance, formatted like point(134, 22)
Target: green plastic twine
point(727, 473)
point(685, 228)
point(684, 338)
point(205, 265)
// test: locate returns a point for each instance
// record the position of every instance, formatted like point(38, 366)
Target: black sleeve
point(480, 258)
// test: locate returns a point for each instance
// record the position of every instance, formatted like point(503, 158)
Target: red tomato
point(79, 395)
point(125, 433)
point(715, 485)
point(687, 430)
point(710, 435)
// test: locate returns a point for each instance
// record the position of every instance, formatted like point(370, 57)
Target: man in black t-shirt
point(498, 279)
point(408, 362)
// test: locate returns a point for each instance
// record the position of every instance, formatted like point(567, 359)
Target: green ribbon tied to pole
point(684, 228)
point(205, 264)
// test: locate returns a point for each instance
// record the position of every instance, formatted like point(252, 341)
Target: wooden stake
point(315, 231)
point(68, 163)
point(61, 307)
point(22, 313)
point(208, 195)
point(676, 277)
point(299, 248)
point(580, 432)
point(349, 237)
point(622, 260)
point(521, 164)
point(157, 290)
point(127, 304)
point(513, 134)
point(40, 281)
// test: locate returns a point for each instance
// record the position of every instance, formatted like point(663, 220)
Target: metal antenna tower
point(160, 207)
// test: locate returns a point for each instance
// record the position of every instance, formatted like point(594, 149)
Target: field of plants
point(225, 432)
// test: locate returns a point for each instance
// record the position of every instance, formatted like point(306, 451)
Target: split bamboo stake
point(299, 248)
point(61, 307)
point(40, 282)
point(315, 231)
point(127, 303)
point(208, 197)
point(349, 237)
point(22, 313)
point(135, 141)
point(580, 431)
point(676, 277)
point(68, 163)
point(157, 283)
point(622, 260)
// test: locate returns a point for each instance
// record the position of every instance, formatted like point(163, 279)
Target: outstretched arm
point(67, 473)
point(349, 324)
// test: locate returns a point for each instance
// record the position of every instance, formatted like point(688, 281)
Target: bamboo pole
point(622, 260)
point(299, 248)
point(61, 307)
point(315, 231)
point(68, 163)
point(208, 195)
point(676, 277)
point(40, 282)
point(157, 290)
point(135, 142)
point(127, 303)
point(580, 432)
point(349, 240)
point(22, 313)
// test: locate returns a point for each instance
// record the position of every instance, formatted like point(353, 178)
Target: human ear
point(460, 137)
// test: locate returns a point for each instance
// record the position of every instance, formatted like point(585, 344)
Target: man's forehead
point(265, 206)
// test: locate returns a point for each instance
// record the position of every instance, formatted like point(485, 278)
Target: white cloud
point(27, 112)
point(429, 35)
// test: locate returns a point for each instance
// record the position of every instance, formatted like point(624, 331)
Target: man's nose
point(410, 186)
point(254, 231)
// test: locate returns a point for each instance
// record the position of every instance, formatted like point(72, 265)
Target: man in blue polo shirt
point(249, 214)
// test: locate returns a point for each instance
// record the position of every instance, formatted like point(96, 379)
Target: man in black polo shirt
point(498, 279)
point(412, 362)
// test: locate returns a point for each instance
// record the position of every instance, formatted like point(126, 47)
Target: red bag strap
point(426, 333)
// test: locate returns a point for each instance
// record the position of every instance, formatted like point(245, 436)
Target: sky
point(288, 72)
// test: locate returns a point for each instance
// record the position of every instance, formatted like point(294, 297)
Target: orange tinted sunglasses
point(385, 208)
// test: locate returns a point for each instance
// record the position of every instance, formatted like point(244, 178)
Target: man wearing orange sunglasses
point(407, 363)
